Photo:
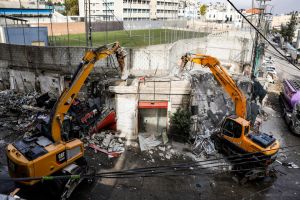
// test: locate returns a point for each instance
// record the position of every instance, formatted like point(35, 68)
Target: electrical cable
point(183, 174)
point(186, 166)
point(215, 159)
point(140, 175)
point(262, 35)
point(143, 172)
point(98, 175)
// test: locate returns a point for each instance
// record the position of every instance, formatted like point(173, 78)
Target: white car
point(268, 61)
point(271, 70)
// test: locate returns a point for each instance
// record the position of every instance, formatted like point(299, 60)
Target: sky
point(280, 6)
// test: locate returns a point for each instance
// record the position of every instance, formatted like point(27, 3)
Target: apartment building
point(279, 20)
point(222, 12)
point(119, 10)
point(189, 9)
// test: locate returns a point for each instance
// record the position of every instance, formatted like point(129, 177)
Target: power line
point(262, 35)
point(159, 170)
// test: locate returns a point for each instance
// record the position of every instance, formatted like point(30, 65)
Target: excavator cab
point(237, 138)
point(234, 127)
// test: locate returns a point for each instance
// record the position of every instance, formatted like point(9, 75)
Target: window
point(247, 128)
point(232, 128)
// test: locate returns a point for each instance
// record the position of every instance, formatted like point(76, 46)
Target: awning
point(153, 104)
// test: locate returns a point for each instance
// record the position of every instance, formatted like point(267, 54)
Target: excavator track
point(247, 168)
point(79, 168)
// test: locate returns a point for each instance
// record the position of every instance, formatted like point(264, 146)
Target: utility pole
point(106, 16)
point(90, 25)
point(85, 23)
point(259, 45)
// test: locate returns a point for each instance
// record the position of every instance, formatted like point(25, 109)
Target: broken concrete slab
point(106, 142)
point(147, 143)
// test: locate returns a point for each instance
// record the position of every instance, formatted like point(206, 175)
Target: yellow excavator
point(235, 136)
point(53, 151)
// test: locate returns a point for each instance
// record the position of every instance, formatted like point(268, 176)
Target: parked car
point(271, 70)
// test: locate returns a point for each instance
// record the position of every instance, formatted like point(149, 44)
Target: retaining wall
point(159, 60)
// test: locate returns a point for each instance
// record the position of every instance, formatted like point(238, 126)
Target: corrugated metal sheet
point(26, 35)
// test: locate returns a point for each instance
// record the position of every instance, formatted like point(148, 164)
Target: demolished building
point(150, 101)
point(145, 105)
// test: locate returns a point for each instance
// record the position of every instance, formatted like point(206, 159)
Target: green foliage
point(203, 10)
point(72, 7)
point(181, 123)
point(287, 31)
point(49, 3)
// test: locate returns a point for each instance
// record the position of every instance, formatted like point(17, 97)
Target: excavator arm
point(223, 78)
point(69, 94)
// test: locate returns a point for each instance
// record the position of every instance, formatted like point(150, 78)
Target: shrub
point(180, 124)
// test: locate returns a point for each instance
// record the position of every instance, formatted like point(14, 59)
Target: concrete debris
point(106, 142)
point(165, 136)
point(147, 143)
point(110, 154)
point(33, 108)
point(210, 103)
point(291, 165)
point(168, 156)
point(162, 148)
point(17, 110)
point(203, 146)
point(212, 184)
point(162, 153)
point(8, 197)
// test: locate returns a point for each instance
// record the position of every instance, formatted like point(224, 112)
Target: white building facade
point(188, 9)
point(222, 12)
point(125, 10)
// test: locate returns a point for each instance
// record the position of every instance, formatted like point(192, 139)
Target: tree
point(203, 10)
point(181, 124)
point(72, 7)
point(287, 31)
point(49, 3)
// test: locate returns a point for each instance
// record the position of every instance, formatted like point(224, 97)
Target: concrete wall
point(175, 92)
point(230, 47)
point(159, 60)
point(42, 66)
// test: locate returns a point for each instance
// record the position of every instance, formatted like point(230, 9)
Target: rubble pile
point(162, 153)
point(17, 110)
point(210, 103)
point(106, 142)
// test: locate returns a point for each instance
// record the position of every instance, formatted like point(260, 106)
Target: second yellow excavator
point(235, 136)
